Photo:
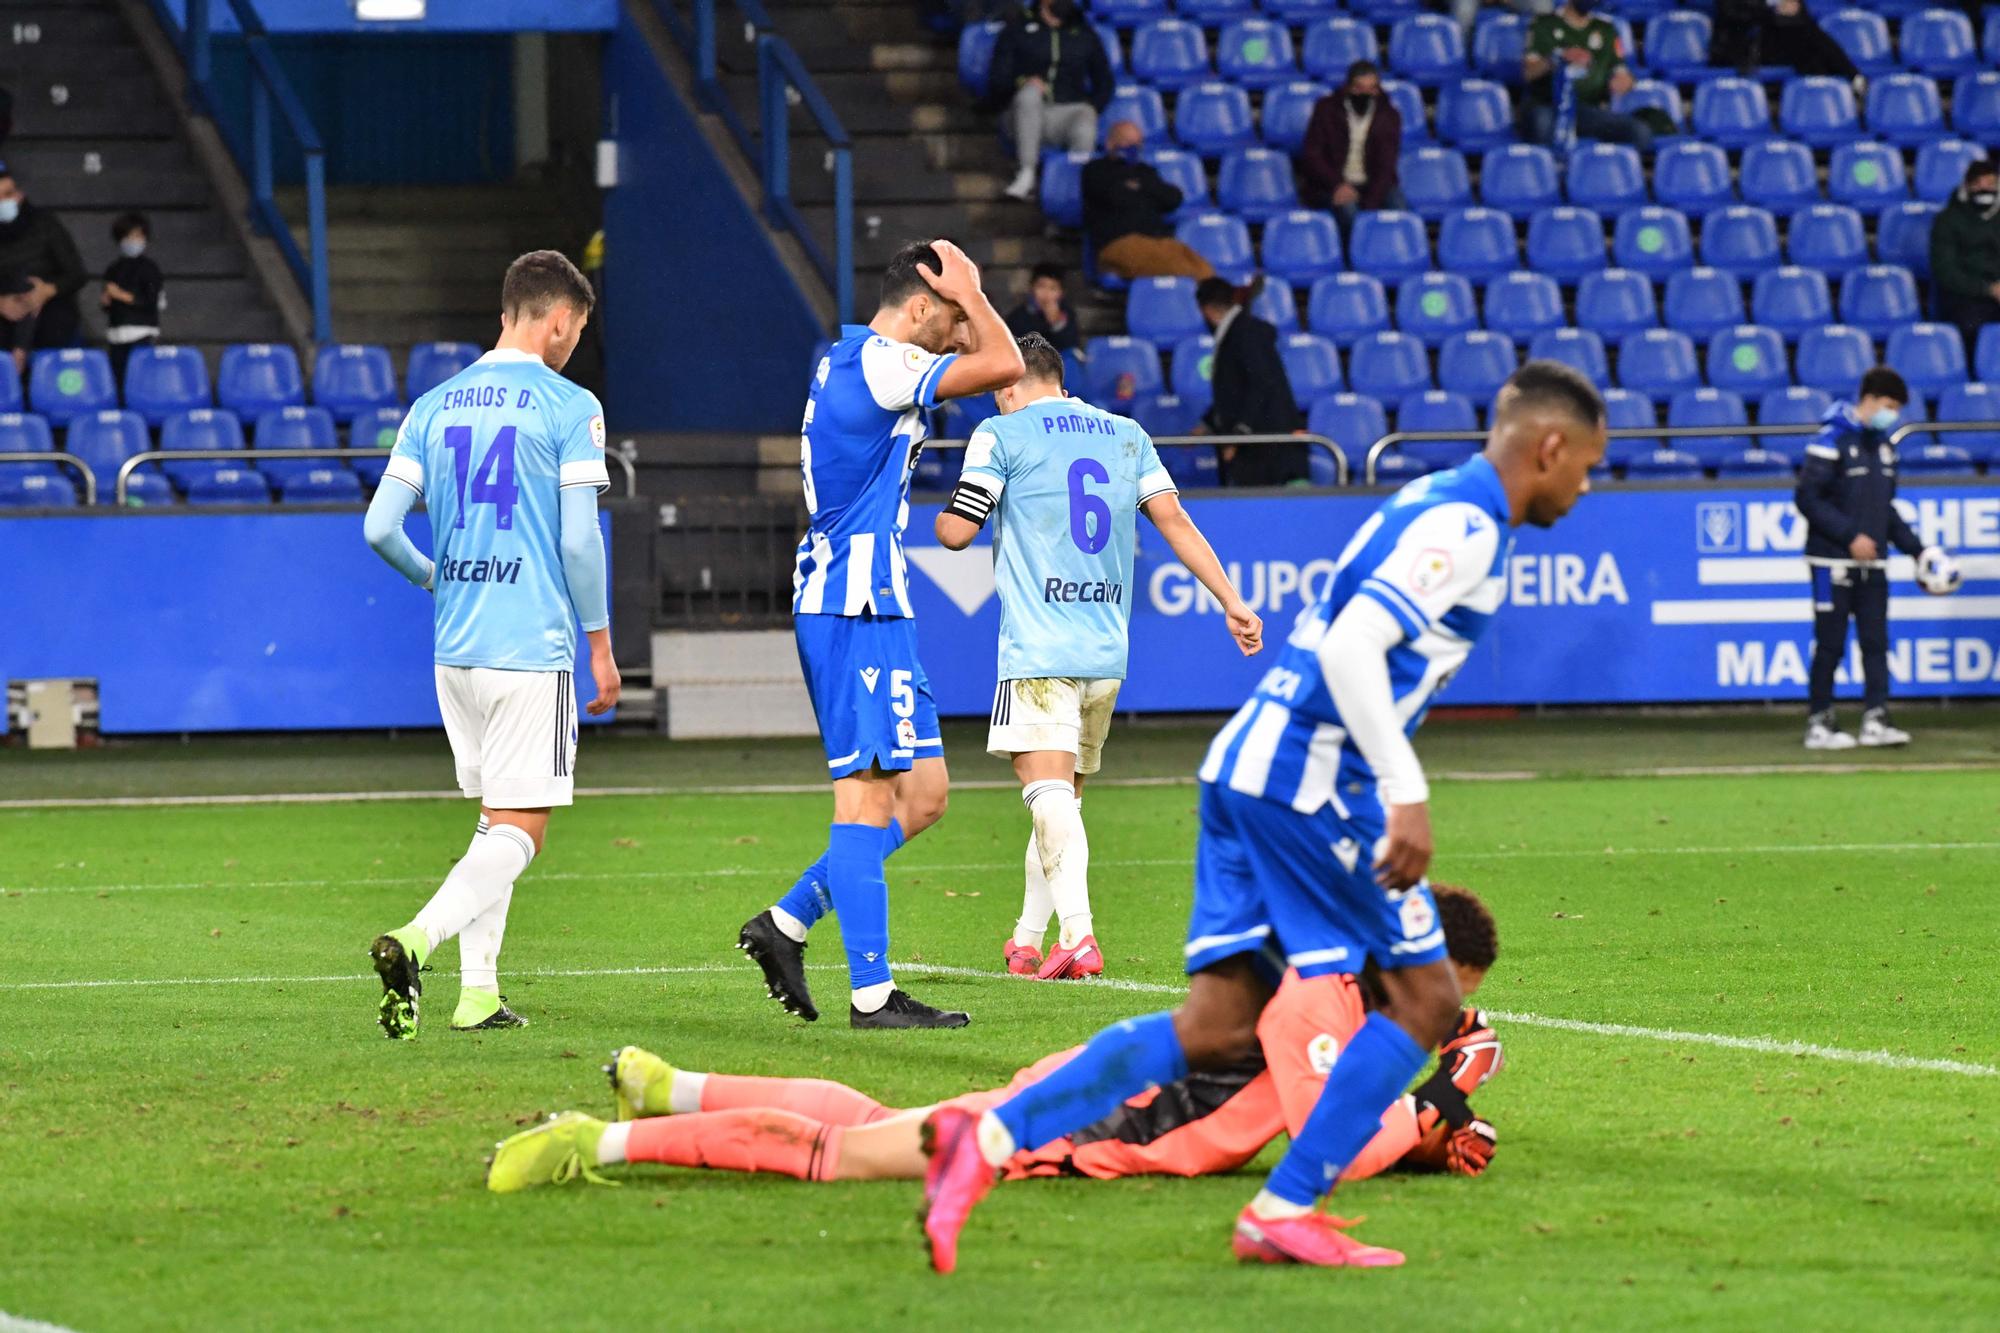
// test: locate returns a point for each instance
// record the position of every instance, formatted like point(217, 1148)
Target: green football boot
point(554, 1152)
point(398, 958)
point(641, 1083)
point(482, 1010)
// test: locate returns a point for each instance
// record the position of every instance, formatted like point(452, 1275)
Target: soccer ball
point(1937, 572)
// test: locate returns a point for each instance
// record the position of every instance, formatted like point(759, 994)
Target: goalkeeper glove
point(1462, 1150)
point(1472, 1055)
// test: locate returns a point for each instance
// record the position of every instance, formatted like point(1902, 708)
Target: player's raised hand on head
point(958, 280)
point(1246, 628)
point(1406, 850)
point(605, 672)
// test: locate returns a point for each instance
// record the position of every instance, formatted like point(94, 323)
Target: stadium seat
point(1288, 110)
point(1732, 112)
point(1390, 245)
point(1475, 115)
point(1866, 175)
point(1192, 379)
point(163, 380)
point(1748, 358)
point(1905, 109)
point(1347, 307)
point(1332, 44)
point(1276, 306)
point(1834, 358)
point(1297, 12)
point(1476, 363)
point(21, 489)
point(1658, 363)
point(11, 397)
point(1312, 365)
point(1141, 105)
point(350, 378)
point(1397, 468)
point(294, 428)
point(1701, 302)
point(1903, 236)
point(322, 485)
point(374, 429)
point(256, 377)
point(1780, 176)
point(103, 440)
point(1353, 421)
point(1213, 12)
point(1800, 405)
point(1941, 166)
point(1214, 118)
point(1114, 54)
point(1753, 462)
point(1408, 99)
point(1662, 464)
point(1520, 180)
point(1828, 237)
point(1170, 53)
point(1164, 415)
point(1864, 36)
point(1574, 347)
point(1708, 407)
point(1986, 355)
point(1791, 300)
point(1692, 177)
point(1193, 467)
point(227, 486)
point(1499, 43)
point(975, 55)
point(1819, 111)
point(1607, 177)
point(1222, 240)
point(1975, 105)
point(1972, 402)
point(27, 433)
point(1676, 46)
point(1741, 241)
point(1382, 12)
point(1435, 181)
point(1522, 304)
point(1878, 299)
point(1434, 306)
point(1940, 459)
point(1930, 357)
point(1301, 247)
point(1989, 46)
point(1256, 184)
point(1119, 369)
point(1180, 169)
point(1940, 43)
point(203, 428)
point(1615, 302)
point(66, 381)
point(1427, 49)
point(1478, 244)
point(1162, 310)
point(1126, 13)
point(431, 364)
point(1439, 410)
point(1654, 241)
point(1661, 97)
point(1626, 410)
point(1256, 53)
point(1388, 366)
point(1061, 189)
point(1567, 243)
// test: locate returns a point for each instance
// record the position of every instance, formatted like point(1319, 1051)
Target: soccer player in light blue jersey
point(864, 427)
point(508, 457)
point(1063, 483)
point(1315, 836)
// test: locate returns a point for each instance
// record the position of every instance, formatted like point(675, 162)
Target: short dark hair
point(538, 280)
point(1214, 292)
point(1545, 383)
point(901, 281)
point(1882, 382)
point(1979, 169)
point(1044, 363)
point(1470, 936)
point(1045, 270)
point(1363, 68)
point(126, 223)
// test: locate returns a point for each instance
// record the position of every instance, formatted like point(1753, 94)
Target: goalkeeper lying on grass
point(1210, 1122)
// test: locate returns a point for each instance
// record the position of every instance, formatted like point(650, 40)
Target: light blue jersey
point(1068, 479)
point(489, 450)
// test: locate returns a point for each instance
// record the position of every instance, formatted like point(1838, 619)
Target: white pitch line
point(1763, 1045)
point(13, 1323)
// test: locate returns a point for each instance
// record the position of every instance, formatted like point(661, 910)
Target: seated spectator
point(1051, 70)
point(1125, 207)
point(1750, 33)
point(133, 293)
point(1965, 253)
point(1589, 51)
point(1253, 395)
point(1467, 11)
point(1045, 311)
point(1352, 146)
point(44, 272)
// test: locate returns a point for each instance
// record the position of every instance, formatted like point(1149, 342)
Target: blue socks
point(854, 854)
point(1121, 1061)
point(810, 898)
point(1372, 1072)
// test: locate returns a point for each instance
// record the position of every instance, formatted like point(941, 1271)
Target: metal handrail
point(1396, 437)
point(248, 458)
point(1902, 433)
point(1177, 441)
point(67, 460)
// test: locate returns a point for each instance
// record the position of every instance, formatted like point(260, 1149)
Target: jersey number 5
point(492, 482)
point(1089, 516)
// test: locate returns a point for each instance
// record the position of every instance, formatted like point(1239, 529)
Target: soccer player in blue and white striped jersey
point(1315, 836)
point(864, 427)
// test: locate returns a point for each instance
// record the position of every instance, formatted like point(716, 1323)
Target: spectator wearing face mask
point(1055, 76)
point(1571, 43)
point(133, 293)
point(1352, 146)
point(1125, 206)
point(1965, 254)
point(38, 253)
point(1046, 311)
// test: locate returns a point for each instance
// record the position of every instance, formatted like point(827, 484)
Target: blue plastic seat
point(1938, 460)
point(1522, 304)
point(1903, 236)
point(1834, 358)
point(1866, 175)
point(63, 382)
point(1408, 99)
point(1791, 300)
point(1676, 46)
point(376, 429)
point(1654, 241)
point(103, 440)
point(1312, 365)
point(1780, 176)
point(1973, 401)
point(1828, 237)
point(1434, 306)
point(1222, 240)
point(1975, 104)
point(1346, 307)
point(1396, 467)
point(1126, 13)
point(202, 428)
point(1607, 177)
point(321, 485)
point(1478, 244)
point(1214, 118)
point(1708, 407)
point(1061, 189)
point(1114, 54)
point(1616, 303)
point(1989, 46)
point(1297, 12)
point(1905, 109)
point(1742, 241)
point(1256, 53)
point(350, 378)
point(431, 364)
point(1170, 53)
point(1384, 11)
point(1439, 410)
point(1864, 36)
point(1164, 415)
point(22, 489)
point(1476, 363)
point(1819, 111)
point(1390, 245)
point(1986, 355)
point(1930, 357)
point(1354, 421)
point(1119, 369)
point(1800, 405)
point(1288, 110)
point(1192, 377)
point(1748, 358)
point(1658, 363)
point(1663, 464)
point(1732, 112)
point(1567, 243)
point(1178, 168)
point(1754, 462)
point(1388, 366)
point(1879, 299)
point(1332, 44)
point(1193, 467)
point(1941, 166)
point(294, 428)
point(256, 377)
point(1661, 97)
point(1626, 410)
point(163, 380)
point(1137, 103)
point(27, 433)
point(1301, 247)
point(1435, 181)
point(1427, 49)
point(1256, 184)
point(1276, 306)
point(1520, 180)
point(1162, 310)
point(1213, 12)
point(1701, 302)
point(1692, 177)
point(1475, 115)
point(12, 399)
point(1940, 43)
point(1579, 348)
point(228, 486)
point(975, 55)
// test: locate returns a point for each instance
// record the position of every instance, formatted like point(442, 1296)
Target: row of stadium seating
point(220, 486)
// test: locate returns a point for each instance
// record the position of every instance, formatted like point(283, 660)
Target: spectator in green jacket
point(1965, 254)
point(1588, 48)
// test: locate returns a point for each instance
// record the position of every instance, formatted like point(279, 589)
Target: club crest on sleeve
point(1430, 571)
point(597, 432)
point(913, 357)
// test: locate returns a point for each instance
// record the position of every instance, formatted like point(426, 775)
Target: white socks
point(611, 1148)
point(995, 1140)
point(1065, 854)
point(684, 1092)
point(1037, 906)
point(481, 882)
point(479, 945)
point(868, 999)
point(1267, 1204)
point(788, 925)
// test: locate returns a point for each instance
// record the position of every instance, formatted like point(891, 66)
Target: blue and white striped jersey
point(863, 430)
point(1434, 556)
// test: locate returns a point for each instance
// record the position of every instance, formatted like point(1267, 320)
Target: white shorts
point(1053, 713)
point(512, 733)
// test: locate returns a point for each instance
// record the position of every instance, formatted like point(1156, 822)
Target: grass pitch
point(201, 1125)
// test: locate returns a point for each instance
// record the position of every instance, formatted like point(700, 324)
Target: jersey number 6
point(492, 482)
point(1089, 516)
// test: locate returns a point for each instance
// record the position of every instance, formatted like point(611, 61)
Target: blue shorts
point(1299, 891)
point(869, 692)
